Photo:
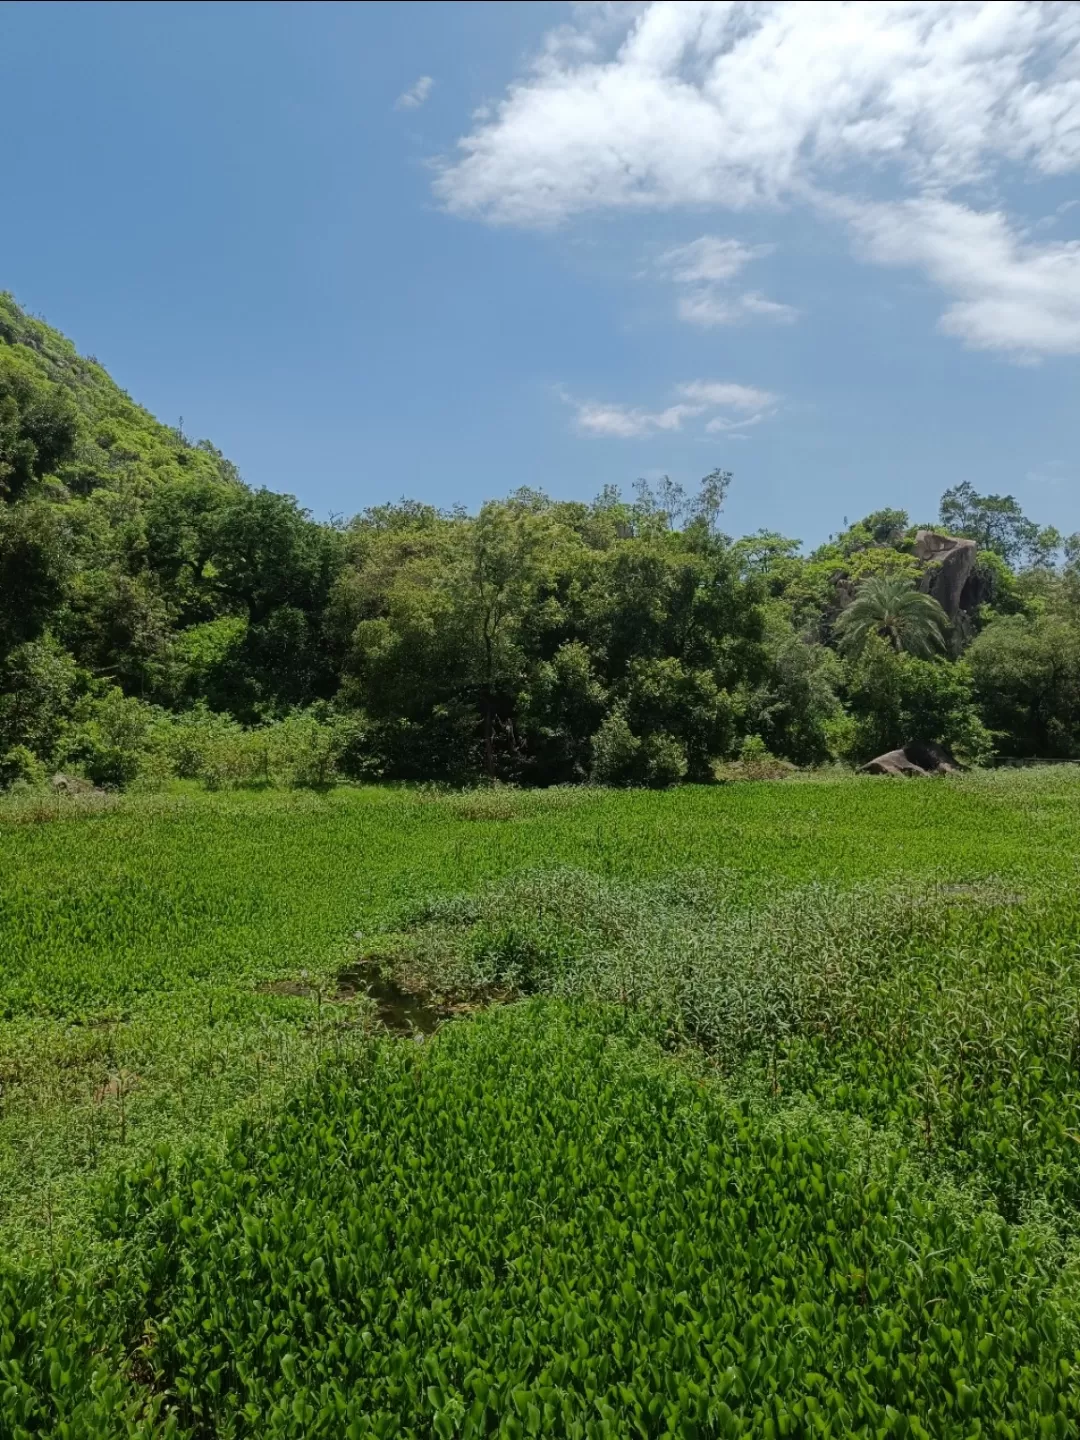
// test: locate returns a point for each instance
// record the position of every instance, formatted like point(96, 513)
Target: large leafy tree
point(997, 523)
point(890, 606)
point(1027, 677)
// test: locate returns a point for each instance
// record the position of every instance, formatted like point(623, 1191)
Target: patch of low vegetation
point(763, 1118)
point(534, 1226)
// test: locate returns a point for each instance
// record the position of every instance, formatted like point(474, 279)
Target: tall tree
point(996, 522)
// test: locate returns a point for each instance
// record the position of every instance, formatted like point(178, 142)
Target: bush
point(1026, 674)
point(113, 737)
point(755, 762)
point(663, 760)
point(622, 758)
point(304, 750)
point(21, 766)
point(37, 686)
point(616, 751)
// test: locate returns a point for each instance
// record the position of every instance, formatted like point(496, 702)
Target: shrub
point(616, 751)
point(21, 766)
point(755, 762)
point(663, 760)
point(112, 738)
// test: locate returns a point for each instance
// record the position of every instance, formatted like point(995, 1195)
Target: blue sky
point(833, 250)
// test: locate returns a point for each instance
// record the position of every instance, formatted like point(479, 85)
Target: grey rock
point(949, 563)
point(918, 758)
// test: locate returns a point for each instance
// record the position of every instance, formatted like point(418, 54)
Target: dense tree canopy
point(157, 615)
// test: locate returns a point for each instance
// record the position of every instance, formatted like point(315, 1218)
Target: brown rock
point(949, 563)
point(919, 758)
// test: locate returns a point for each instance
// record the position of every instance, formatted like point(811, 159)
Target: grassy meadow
point(751, 1110)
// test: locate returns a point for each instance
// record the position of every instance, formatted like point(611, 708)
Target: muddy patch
point(297, 989)
point(401, 1011)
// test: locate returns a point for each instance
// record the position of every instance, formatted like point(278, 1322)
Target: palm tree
point(891, 606)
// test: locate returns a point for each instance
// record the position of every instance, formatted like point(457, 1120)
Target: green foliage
point(535, 1226)
point(1027, 676)
point(564, 707)
point(620, 757)
point(118, 535)
point(616, 751)
point(110, 739)
point(794, 705)
point(755, 761)
point(517, 643)
point(892, 608)
point(894, 699)
point(997, 523)
point(38, 425)
point(875, 1119)
point(19, 766)
point(38, 683)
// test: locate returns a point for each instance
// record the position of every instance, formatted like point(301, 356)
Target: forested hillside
point(160, 617)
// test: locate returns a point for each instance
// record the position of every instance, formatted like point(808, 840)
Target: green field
point(778, 1132)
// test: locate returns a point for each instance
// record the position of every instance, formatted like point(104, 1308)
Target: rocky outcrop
point(949, 563)
point(919, 758)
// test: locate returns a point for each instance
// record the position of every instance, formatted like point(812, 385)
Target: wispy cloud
point(709, 306)
point(703, 271)
point(1004, 291)
point(416, 94)
point(626, 423)
point(708, 259)
point(725, 395)
point(697, 398)
point(665, 106)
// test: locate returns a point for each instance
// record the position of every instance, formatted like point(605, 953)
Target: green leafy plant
point(891, 607)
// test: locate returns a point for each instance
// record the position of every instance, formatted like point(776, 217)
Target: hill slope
point(133, 555)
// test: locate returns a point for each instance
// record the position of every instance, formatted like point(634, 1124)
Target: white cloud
point(1006, 292)
point(698, 398)
point(620, 420)
point(693, 103)
point(711, 306)
point(696, 105)
point(703, 269)
point(709, 259)
point(725, 395)
point(416, 94)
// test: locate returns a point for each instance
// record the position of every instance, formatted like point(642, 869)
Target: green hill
point(131, 556)
point(63, 416)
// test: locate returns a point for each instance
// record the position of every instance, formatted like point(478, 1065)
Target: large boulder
point(949, 563)
point(918, 758)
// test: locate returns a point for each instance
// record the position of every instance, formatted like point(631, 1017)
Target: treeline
point(159, 617)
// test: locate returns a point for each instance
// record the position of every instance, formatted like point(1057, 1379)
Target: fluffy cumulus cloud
point(416, 94)
point(777, 102)
point(731, 407)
